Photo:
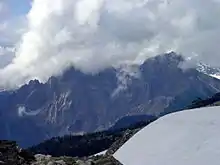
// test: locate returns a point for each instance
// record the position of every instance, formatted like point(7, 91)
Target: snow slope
point(208, 70)
point(190, 137)
point(215, 76)
point(101, 153)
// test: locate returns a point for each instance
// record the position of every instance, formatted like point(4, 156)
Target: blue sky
point(18, 7)
point(12, 22)
point(12, 19)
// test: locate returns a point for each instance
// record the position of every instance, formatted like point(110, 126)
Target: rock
point(106, 160)
point(81, 162)
point(60, 162)
point(116, 145)
point(11, 154)
point(39, 157)
point(51, 163)
point(2, 163)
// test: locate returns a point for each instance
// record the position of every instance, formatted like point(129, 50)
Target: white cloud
point(3, 7)
point(93, 35)
point(11, 30)
point(6, 55)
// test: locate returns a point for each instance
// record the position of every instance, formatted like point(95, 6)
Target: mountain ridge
point(76, 103)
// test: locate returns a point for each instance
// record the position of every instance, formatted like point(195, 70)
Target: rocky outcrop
point(94, 160)
point(105, 160)
point(49, 160)
point(11, 154)
point(116, 145)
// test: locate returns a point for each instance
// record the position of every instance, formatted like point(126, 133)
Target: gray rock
point(60, 162)
point(51, 163)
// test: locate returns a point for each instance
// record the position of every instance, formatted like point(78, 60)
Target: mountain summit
point(76, 102)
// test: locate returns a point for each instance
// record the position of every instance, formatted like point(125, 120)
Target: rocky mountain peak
point(76, 102)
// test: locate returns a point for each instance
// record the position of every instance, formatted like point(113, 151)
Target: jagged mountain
point(76, 102)
point(206, 69)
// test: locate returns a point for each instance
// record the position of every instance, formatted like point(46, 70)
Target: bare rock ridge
point(76, 103)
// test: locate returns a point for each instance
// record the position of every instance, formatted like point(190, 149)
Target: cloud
point(6, 55)
point(93, 35)
point(11, 30)
point(3, 8)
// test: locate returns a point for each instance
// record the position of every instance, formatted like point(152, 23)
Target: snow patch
point(101, 153)
point(189, 137)
point(215, 76)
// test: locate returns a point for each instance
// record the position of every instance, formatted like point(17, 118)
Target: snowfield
point(190, 137)
point(215, 76)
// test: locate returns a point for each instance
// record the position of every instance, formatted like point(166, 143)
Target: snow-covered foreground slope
point(190, 137)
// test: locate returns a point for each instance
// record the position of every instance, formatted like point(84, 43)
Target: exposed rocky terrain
point(76, 103)
point(11, 154)
point(93, 160)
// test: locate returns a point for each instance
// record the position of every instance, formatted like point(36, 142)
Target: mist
point(92, 35)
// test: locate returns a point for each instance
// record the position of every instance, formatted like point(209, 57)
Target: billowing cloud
point(6, 55)
point(94, 34)
point(11, 30)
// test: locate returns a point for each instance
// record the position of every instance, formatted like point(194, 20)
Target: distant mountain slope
point(206, 69)
point(84, 145)
point(76, 102)
point(127, 121)
point(184, 138)
point(211, 101)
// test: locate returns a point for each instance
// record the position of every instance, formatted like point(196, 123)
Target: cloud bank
point(94, 34)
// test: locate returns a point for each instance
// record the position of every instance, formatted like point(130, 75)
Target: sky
point(18, 7)
point(41, 38)
point(12, 24)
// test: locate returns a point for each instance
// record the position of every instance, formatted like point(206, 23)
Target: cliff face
point(76, 102)
point(11, 154)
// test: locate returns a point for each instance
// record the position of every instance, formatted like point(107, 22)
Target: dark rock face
point(76, 102)
point(11, 154)
point(212, 101)
point(105, 160)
